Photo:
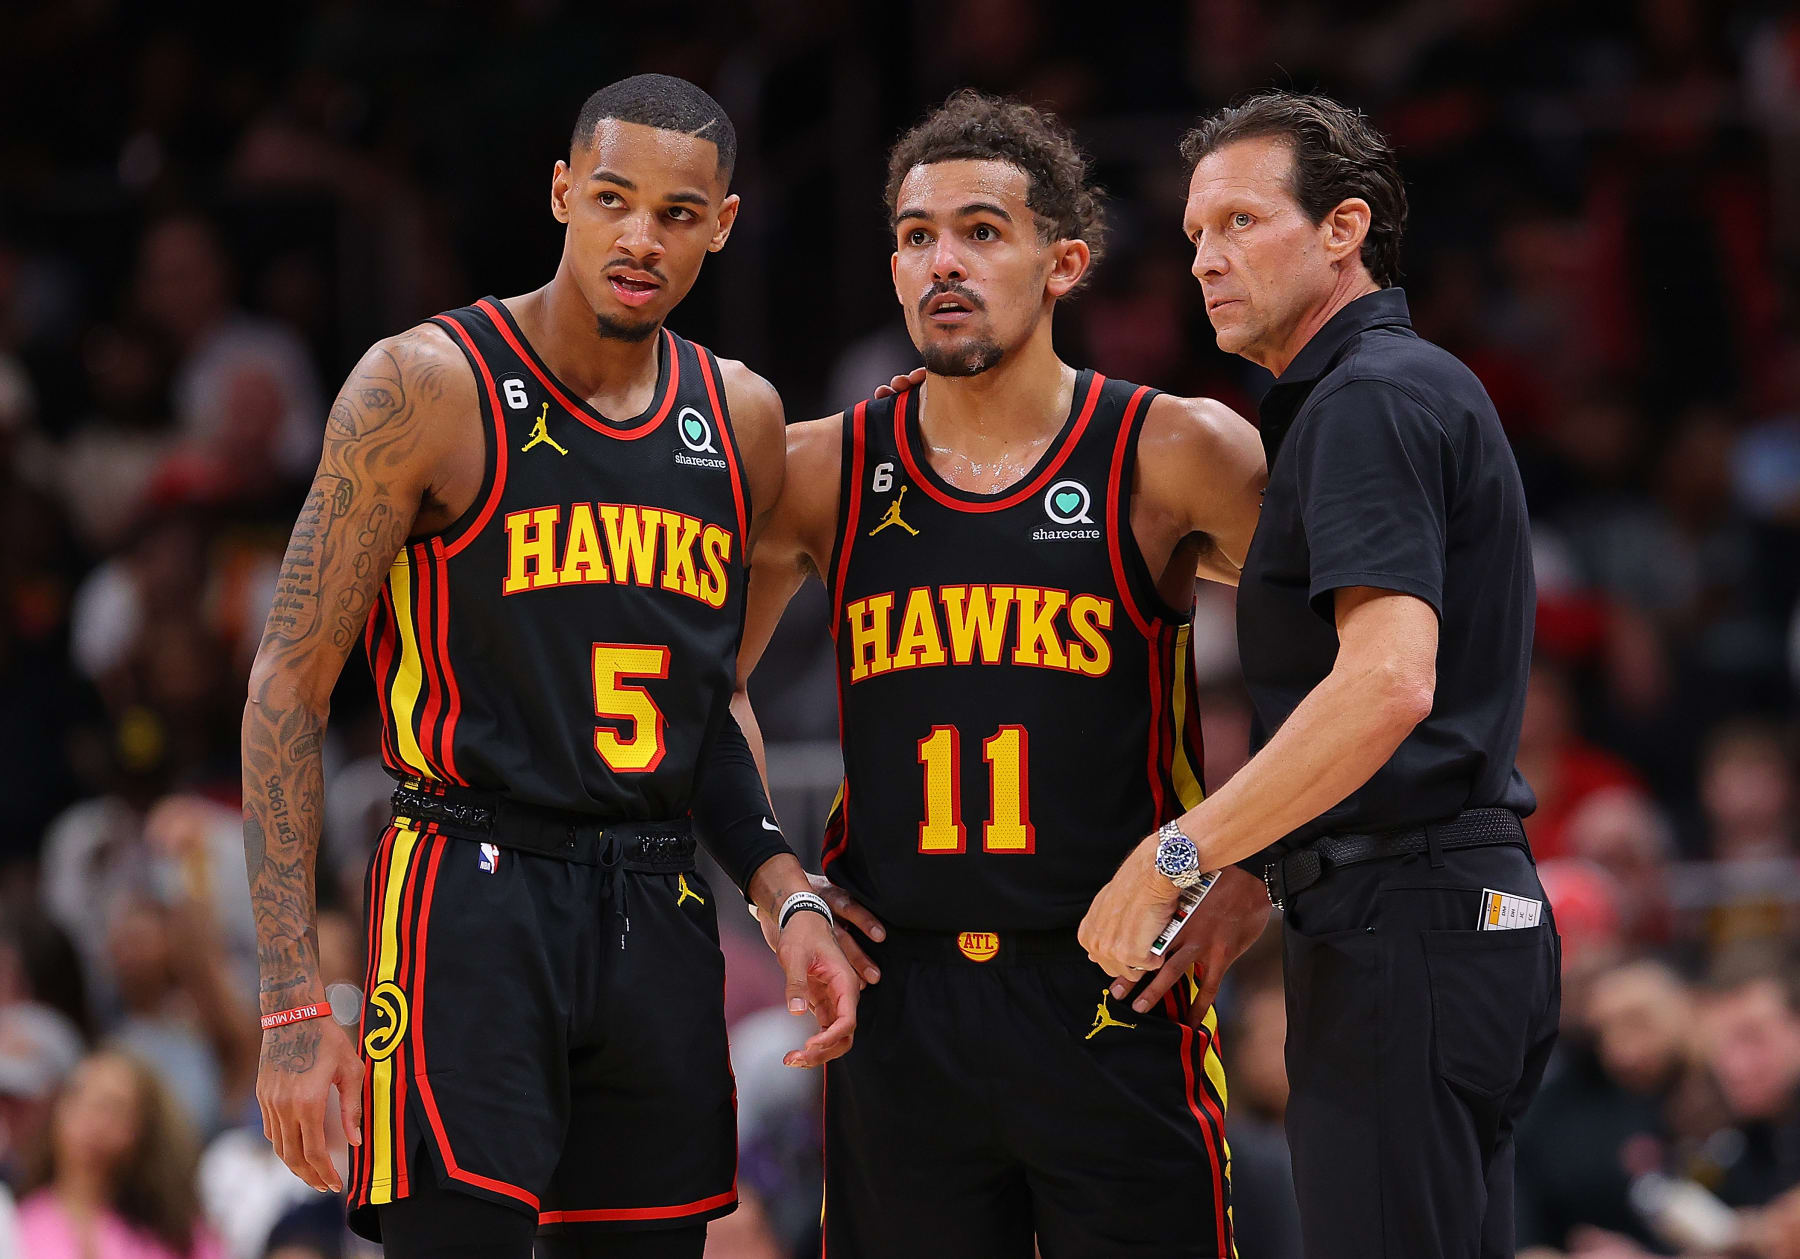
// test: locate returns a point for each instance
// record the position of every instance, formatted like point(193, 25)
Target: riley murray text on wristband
point(299, 1014)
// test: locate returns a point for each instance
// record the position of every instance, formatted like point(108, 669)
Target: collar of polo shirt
point(1384, 308)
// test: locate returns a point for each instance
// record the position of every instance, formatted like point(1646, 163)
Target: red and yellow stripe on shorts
point(396, 966)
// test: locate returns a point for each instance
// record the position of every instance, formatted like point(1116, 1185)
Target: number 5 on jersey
point(643, 750)
point(1008, 828)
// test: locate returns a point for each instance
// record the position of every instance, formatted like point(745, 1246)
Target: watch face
point(1177, 856)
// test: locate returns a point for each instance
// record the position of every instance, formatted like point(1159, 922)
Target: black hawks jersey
point(1015, 699)
point(571, 640)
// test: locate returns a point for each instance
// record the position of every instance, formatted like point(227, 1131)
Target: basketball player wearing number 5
point(543, 1044)
point(1010, 552)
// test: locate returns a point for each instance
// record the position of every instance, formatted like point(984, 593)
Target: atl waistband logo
point(979, 946)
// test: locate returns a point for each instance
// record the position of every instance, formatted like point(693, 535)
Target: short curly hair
point(972, 126)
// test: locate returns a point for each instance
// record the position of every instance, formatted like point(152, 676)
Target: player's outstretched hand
point(819, 979)
point(300, 1063)
point(1227, 922)
point(900, 384)
point(1127, 915)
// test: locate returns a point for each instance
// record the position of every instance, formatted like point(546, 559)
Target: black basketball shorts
point(545, 1034)
point(997, 1097)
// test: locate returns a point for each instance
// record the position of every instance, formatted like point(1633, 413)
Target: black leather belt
point(645, 847)
point(1473, 828)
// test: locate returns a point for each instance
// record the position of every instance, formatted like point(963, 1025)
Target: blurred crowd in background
point(201, 229)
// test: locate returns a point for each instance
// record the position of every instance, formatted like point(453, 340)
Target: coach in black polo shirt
point(1384, 620)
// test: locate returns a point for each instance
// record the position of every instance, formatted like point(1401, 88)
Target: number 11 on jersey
point(1008, 828)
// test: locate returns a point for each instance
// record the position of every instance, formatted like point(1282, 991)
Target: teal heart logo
point(694, 429)
point(1067, 501)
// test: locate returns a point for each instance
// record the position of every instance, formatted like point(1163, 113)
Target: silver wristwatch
point(1177, 857)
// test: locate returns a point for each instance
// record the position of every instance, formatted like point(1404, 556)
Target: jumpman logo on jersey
point(685, 893)
point(892, 517)
point(1103, 1019)
point(540, 433)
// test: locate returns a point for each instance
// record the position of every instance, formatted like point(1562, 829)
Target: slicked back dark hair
point(972, 126)
point(666, 103)
point(1337, 155)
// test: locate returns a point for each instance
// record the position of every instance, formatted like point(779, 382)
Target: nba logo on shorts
point(489, 860)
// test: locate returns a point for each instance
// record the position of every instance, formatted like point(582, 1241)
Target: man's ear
point(1069, 261)
point(727, 216)
point(1346, 228)
point(562, 179)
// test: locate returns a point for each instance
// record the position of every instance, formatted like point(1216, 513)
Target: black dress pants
point(1415, 1042)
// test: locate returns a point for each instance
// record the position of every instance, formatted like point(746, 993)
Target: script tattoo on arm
point(358, 514)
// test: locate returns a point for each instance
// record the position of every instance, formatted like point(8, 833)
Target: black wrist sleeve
point(732, 816)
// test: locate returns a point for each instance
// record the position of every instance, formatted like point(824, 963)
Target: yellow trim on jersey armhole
point(403, 698)
point(1187, 780)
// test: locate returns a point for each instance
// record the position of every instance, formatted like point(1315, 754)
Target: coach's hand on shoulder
point(900, 384)
point(300, 1063)
point(820, 980)
point(1227, 922)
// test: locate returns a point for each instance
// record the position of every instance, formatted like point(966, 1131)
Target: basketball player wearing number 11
point(1010, 553)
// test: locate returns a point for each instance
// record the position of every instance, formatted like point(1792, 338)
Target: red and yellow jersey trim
point(416, 686)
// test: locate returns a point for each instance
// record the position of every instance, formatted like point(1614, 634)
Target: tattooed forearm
point(363, 502)
point(283, 800)
point(291, 1048)
point(256, 846)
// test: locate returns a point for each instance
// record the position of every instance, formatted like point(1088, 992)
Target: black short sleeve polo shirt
point(1388, 468)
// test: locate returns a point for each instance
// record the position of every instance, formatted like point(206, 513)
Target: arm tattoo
point(296, 606)
point(294, 1048)
point(355, 520)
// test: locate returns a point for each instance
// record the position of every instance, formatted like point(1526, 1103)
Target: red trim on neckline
point(580, 410)
point(1010, 498)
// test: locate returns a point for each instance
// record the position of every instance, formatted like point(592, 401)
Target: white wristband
point(801, 903)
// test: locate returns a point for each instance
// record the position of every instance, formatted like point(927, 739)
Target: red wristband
point(299, 1014)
